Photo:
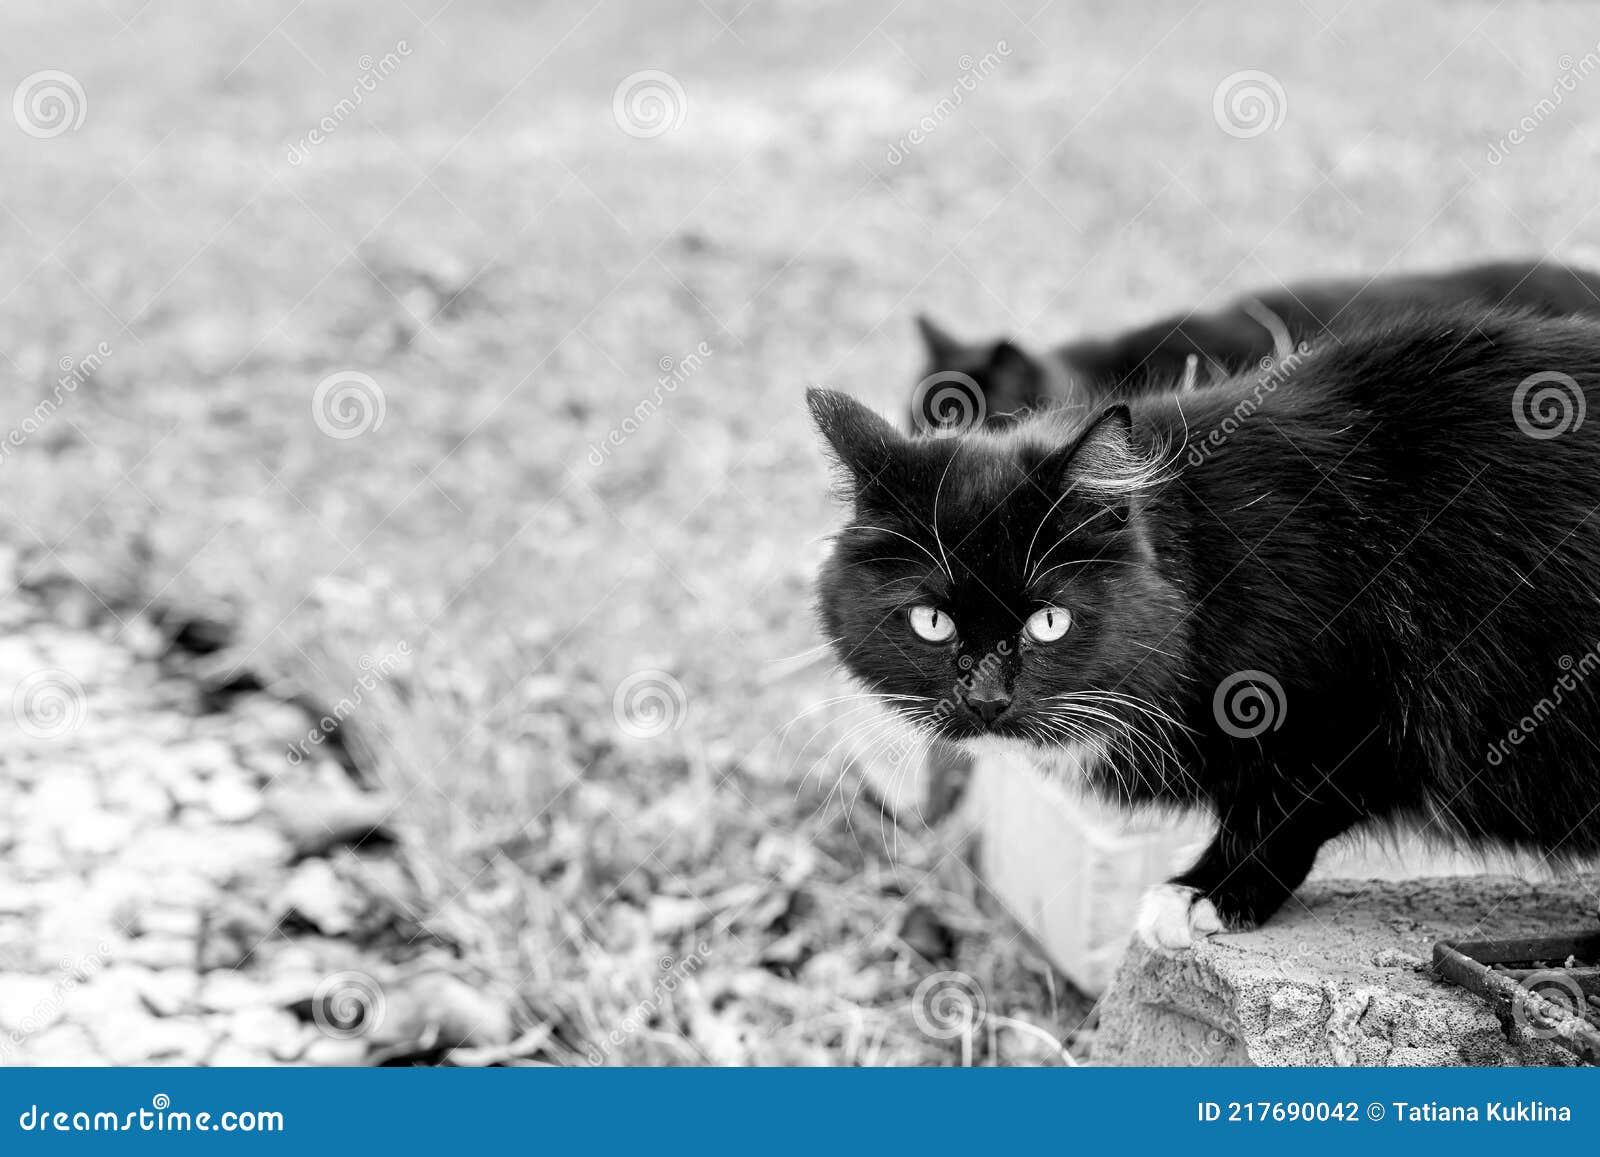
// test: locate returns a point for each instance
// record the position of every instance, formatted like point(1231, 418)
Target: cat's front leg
point(1245, 874)
point(1172, 917)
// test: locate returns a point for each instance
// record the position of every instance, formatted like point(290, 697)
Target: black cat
point(1209, 346)
point(1353, 600)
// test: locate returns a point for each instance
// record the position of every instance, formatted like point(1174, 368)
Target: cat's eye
point(931, 624)
point(1048, 625)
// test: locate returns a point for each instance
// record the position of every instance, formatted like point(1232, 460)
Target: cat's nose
point(988, 705)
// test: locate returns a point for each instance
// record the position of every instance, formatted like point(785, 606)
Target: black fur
point(1382, 539)
point(1154, 357)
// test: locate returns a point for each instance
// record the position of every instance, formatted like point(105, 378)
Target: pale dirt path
point(157, 902)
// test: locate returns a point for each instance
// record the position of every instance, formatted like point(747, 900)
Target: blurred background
point(458, 348)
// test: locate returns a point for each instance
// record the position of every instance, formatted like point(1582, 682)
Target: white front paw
point(1172, 917)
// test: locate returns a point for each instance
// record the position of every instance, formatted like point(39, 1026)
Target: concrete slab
point(1340, 977)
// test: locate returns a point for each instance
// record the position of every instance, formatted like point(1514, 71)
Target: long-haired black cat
point(1205, 347)
point(1306, 609)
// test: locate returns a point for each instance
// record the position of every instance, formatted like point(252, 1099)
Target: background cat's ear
point(1014, 379)
point(1104, 460)
point(941, 347)
point(862, 442)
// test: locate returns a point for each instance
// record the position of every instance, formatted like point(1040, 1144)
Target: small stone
point(317, 893)
point(445, 1010)
point(275, 725)
point(143, 638)
point(316, 821)
point(227, 990)
point(169, 992)
point(135, 1038)
point(112, 992)
point(331, 1051)
point(233, 1055)
point(165, 920)
point(205, 757)
point(97, 833)
point(233, 801)
point(29, 1003)
point(1395, 958)
point(159, 952)
point(269, 1030)
point(65, 1044)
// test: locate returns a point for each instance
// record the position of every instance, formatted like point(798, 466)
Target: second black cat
point(1206, 347)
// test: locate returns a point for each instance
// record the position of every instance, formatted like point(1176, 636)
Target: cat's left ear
point(1103, 460)
point(862, 442)
point(941, 347)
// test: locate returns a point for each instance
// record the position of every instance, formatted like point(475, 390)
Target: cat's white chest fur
point(1071, 764)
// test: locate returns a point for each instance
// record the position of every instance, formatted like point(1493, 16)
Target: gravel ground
point(178, 889)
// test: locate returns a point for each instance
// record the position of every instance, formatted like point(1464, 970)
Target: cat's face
point(1007, 381)
point(984, 578)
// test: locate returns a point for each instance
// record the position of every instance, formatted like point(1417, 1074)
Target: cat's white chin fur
point(1172, 917)
point(987, 746)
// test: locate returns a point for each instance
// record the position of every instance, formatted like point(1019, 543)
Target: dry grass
point(510, 268)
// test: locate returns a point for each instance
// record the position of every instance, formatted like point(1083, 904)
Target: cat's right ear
point(861, 441)
point(941, 347)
